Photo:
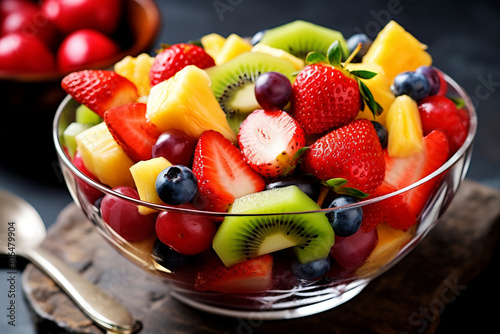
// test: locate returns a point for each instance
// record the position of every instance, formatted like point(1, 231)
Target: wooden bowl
point(29, 101)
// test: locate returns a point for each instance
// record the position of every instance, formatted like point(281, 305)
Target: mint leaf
point(367, 96)
point(353, 192)
point(333, 183)
point(337, 186)
point(363, 74)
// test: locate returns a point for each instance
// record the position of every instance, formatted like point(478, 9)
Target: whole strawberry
point(326, 96)
point(174, 58)
point(352, 152)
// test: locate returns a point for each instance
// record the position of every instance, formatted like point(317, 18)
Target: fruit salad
point(257, 155)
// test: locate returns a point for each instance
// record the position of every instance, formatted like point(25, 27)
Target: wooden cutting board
point(409, 298)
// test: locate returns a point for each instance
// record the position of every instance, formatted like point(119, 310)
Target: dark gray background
point(463, 37)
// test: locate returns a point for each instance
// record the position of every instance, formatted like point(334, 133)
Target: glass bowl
point(286, 296)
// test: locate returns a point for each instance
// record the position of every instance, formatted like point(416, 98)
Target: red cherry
point(188, 234)
point(22, 54)
point(83, 48)
point(29, 20)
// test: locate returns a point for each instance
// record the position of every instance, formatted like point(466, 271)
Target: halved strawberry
point(402, 211)
point(222, 173)
point(352, 152)
point(401, 172)
point(253, 275)
point(269, 140)
point(131, 130)
point(174, 58)
point(99, 90)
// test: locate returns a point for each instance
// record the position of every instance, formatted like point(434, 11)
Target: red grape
point(124, 217)
point(91, 193)
point(187, 234)
point(273, 90)
point(176, 146)
point(350, 252)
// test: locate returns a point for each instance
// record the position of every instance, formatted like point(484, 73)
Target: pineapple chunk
point(380, 87)
point(103, 157)
point(404, 127)
point(397, 51)
point(390, 242)
point(233, 46)
point(145, 174)
point(278, 53)
point(186, 102)
point(212, 43)
point(136, 70)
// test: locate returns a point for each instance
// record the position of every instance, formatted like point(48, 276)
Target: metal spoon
point(21, 232)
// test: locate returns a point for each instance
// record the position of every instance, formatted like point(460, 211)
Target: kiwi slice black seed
point(301, 37)
point(233, 82)
point(240, 238)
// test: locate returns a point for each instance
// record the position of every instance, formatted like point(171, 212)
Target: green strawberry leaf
point(334, 54)
point(337, 184)
point(315, 57)
point(363, 74)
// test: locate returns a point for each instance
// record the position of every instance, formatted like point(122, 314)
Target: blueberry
point(311, 270)
point(258, 36)
point(346, 221)
point(167, 257)
point(413, 84)
point(432, 76)
point(308, 185)
point(176, 185)
point(382, 133)
point(352, 43)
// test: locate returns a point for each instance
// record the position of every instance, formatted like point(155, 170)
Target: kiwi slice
point(301, 37)
point(240, 238)
point(233, 82)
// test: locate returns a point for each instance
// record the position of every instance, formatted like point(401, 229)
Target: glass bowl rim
point(163, 207)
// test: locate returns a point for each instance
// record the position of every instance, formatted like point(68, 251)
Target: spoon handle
point(96, 303)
